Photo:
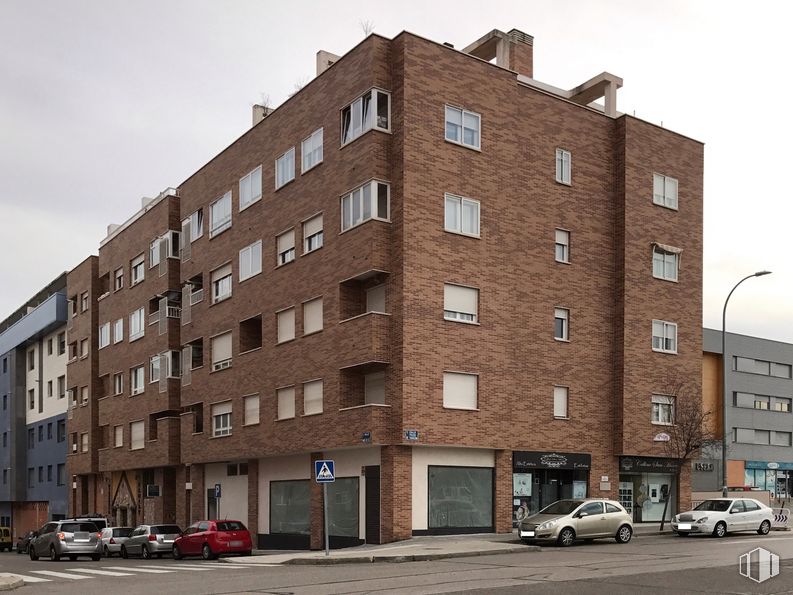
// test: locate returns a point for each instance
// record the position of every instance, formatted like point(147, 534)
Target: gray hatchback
point(150, 540)
point(66, 538)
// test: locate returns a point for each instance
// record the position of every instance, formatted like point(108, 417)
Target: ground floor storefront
point(647, 488)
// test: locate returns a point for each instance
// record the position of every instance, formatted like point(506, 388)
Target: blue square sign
point(325, 471)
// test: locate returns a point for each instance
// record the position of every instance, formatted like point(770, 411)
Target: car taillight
point(99, 535)
point(152, 537)
point(112, 541)
point(62, 536)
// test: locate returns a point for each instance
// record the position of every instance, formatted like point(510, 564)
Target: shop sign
point(411, 434)
point(767, 465)
point(699, 466)
point(550, 460)
point(647, 465)
point(662, 437)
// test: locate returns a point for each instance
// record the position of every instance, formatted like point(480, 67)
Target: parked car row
point(566, 521)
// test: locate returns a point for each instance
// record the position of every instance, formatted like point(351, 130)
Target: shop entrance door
point(212, 504)
point(372, 499)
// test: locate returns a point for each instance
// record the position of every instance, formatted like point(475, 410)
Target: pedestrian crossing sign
point(324, 471)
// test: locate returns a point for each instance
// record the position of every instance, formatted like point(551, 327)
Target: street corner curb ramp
point(410, 557)
point(9, 582)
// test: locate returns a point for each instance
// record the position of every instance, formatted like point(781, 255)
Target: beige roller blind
point(286, 241)
point(221, 347)
point(312, 397)
point(460, 299)
point(286, 325)
point(251, 409)
point(286, 402)
point(312, 316)
point(312, 226)
point(136, 435)
point(560, 401)
point(460, 390)
point(562, 236)
point(221, 408)
point(223, 271)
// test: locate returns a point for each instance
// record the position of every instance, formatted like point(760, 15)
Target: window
point(61, 472)
point(462, 127)
point(780, 370)
point(118, 279)
point(118, 383)
point(762, 402)
point(154, 253)
point(665, 262)
point(221, 419)
point(374, 388)
point(286, 325)
point(311, 151)
point(251, 333)
point(154, 368)
point(462, 215)
point(561, 324)
point(83, 395)
point(84, 348)
point(370, 201)
point(118, 436)
point(136, 381)
point(563, 166)
point(32, 398)
point(250, 188)
point(221, 283)
point(250, 261)
point(753, 436)
point(49, 346)
point(221, 351)
point(312, 316)
point(31, 477)
point(31, 438)
point(780, 438)
point(460, 391)
point(663, 411)
point(84, 302)
point(137, 272)
point(41, 433)
point(49, 388)
point(312, 234)
point(251, 410)
point(61, 387)
point(375, 298)
point(196, 225)
point(460, 303)
point(562, 249)
point(286, 402)
point(290, 507)
point(49, 431)
point(104, 335)
point(312, 397)
point(32, 359)
point(118, 331)
point(220, 215)
point(664, 336)
point(61, 343)
point(137, 324)
point(136, 435)
point(285, 168)
point(359, 116)
point(665, 191)
point(84, 442)
point(286, 247)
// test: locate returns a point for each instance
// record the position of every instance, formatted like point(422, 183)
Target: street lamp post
point(724, 380)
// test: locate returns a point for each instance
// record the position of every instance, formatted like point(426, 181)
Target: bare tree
point(299, 84)
point(367, 27)
point(265, 101)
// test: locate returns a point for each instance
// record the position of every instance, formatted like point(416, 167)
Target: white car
point(720, 516)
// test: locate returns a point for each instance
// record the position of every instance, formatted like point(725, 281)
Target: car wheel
point(566, 537)
point(206, 552)
point(765, 527)
point(96, 557)
point(72, 558)
point(682, 533)
point(720, 530)
point(624, 534)
point(177, 554)
point(145, 553)
point(54, 556)
point(124, 553)
point(32, 553)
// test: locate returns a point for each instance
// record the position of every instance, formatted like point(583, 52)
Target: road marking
point(31, 579)
point(60, 574)
point(137, 569)
point(99, 572)
point(179, 567)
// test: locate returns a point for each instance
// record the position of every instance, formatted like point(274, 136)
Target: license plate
point(81, 540)
point(167, 540)
point(236, 544)
point(527, 533)
point(684, 526)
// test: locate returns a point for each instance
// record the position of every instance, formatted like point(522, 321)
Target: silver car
point(150, 540)
point(66, 538)
point(719, 516)
point(566, 521)
point(113, 538)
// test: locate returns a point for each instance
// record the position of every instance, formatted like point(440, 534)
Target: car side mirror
point(581, 515)
point(733, 511)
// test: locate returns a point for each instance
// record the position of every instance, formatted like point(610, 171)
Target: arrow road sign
point(324, 471)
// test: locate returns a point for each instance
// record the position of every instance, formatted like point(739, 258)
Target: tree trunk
point(672, 488)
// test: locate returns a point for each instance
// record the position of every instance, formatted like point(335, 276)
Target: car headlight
point(702, 520)
point(547, 525)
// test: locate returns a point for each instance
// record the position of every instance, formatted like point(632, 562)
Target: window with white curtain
point(311, 149)
point(312, 397)
point(374, 388)
point(196, 225)
point(250, 188)
point(136, 430)
point(221, 418)
point(312, 316)
point(220, 215)
point(370, 201)
point(562, 248)
point(663, 410)
point(221, 283)
point(312, 234)
point(118, 331)
point(665, 263)
point(370, 111)
point(136, 380)
point(285, 244)
point(460, 390)
point(664, 336)
point(563, 166)
point(154, 253)
point(220, 347)
point(251, 409)
point(118, 383)
point(286, 402)
point(154, 368)
point(286, 325)
point(665, 191)
point(560, 401)
point(285, 168)
point(561, 324)
point(137, 324)
point(104, 335)
point(463, 127)
point(461, 215)
point(137, 270)
point(251, 260)
point(460, 303)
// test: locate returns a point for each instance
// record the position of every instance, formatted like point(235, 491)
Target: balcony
point(366, 247)
point(365, 338)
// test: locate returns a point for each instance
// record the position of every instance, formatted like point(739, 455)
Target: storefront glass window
point(644, 496)
point(289, 507)
point(343, 507)
point(460, 497)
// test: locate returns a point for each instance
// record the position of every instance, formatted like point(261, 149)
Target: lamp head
point(761, 273)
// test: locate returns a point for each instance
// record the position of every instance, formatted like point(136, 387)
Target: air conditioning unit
point(152, 491)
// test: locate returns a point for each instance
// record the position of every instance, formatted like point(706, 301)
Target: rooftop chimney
point(260, 112)
point(325, 60)
point(112, 228)
point(513, 50)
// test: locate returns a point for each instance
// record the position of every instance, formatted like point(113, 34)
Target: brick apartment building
point(465, 286)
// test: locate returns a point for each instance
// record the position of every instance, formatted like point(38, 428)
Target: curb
point(9, 583)
point(408, 558)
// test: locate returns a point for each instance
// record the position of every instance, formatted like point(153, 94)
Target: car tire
point(32, 553)
point(54, 556)
point(177, 554)
point(124, 553)
point(107, 553)
point(566, 537)
point(96, 557)
point(145, 553)
point(720, 530)
point(206, 552)
point(624, 534)
point(765, 527)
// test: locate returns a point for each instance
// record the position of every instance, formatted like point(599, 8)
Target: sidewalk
point(417, 549)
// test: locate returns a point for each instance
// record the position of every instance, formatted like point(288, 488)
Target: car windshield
point(76, 527)
point(122, 531)
point(562, 507)
point(165, 529)
point(714, 505)
point(230, 526)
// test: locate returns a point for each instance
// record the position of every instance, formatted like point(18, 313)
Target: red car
point(209, 539)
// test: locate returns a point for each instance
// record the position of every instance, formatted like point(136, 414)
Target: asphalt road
point(651, 564)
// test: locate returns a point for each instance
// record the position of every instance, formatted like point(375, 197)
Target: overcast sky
point(103, 102)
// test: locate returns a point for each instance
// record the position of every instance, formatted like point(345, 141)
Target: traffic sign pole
point(325, 506)
point(324, 473)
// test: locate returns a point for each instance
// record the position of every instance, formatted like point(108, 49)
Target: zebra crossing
point(88, 572)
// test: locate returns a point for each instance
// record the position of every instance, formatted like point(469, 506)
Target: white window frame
point(658, 402)
point(225, 221)
point(564, 167)
point(154, 369)
point(454, 315)
point(668, 197)
point(196, 225)
point(462, 126)
point(312, 150)
point(137, 385)
point(118, 383)
point(250, 264)
point(220, 283)
point(118, 331)
point(315, 240)
point(665, 336)
point(137, 264)
point(104, 335)
point(360, 122)
point(140, 316)
point(461, 202)
point(357, 198)
point(661, 258)
point(562, 246)
point(285, 168)
point(562, 314)
point(250, 188)
point(561, 402)
point(154, 252)
point(118, 279)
